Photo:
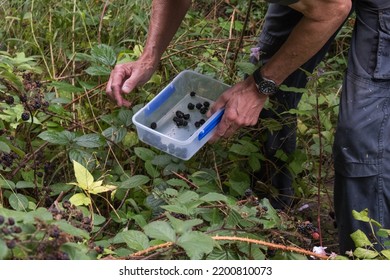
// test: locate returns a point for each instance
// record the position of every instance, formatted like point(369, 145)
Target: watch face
point(267, 87)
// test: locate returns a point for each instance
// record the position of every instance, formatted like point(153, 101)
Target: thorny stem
point(238, 239)
point(319, 179)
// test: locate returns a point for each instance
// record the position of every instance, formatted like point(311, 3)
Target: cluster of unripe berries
point(7, 159)
point(253, 200)
point(9, 231)
point(308, 229)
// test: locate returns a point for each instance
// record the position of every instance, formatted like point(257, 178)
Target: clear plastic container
point(158, 121)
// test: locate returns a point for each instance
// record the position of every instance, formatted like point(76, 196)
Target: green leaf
point(25, 185)
point(115, 134)
point(365, 254)
point(211, 197)
point(151, 170)
point(92, 140)
point(134, 182)
point(183, 226)
point(187, 196)
point(80, 155)
point(79, 199)
point(386, 253)
point(177, 183)
point(3, 249)
point(364, 217)
point(18, 202)
point(239, 181)
point(7, 184)
point(246, 67)
point(162, 160)
point(254, 162)
point(66, 87)
point(76, 251)
point(41, 213)
point(104, 54)
point(360, 239)
point(125, 117)
point(144, 153)
point(160, 230)
point(68, 228)
point(4, 148)
point(55, 137)
point(176, 209)
point(134, 239)
point(98, 70)
point(196, 244)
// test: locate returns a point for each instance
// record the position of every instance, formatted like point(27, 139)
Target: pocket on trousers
point(356, 170)
point(382, 69)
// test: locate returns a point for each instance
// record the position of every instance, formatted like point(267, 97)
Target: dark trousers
point(362, 141)
point(279, 22)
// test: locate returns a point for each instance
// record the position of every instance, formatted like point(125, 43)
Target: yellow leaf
point(104, 188)
point(83, 176)
point(80, 199)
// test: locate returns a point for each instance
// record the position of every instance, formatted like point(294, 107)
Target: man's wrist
point(264, 85)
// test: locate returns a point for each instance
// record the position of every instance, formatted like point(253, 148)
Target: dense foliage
point(76, 183)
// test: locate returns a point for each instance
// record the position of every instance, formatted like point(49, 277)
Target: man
point(280, 22)
point(362, 143)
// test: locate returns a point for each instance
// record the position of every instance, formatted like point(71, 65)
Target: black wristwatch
point(264, 85)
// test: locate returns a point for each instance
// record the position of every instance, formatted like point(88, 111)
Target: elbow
point(343, 9)
point(335, 11)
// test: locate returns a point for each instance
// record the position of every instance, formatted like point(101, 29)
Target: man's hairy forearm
point(165, 20)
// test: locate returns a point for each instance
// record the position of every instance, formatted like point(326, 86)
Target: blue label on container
point(159, 99)
point(211, 125)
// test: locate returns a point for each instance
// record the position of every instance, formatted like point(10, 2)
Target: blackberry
point(11, 221)
point(16, 229)
point(198, 106)
point(54, 232)
point(301, 229)
point(190, 106)
point(206, 104)
point(9, 99)
point(23, 98)
point(66, 204)
point(153, 125)
point(2, 219)
point(186, 116)
point(99, 249)
point(197, 124)
point(6, 231)
point(37, 105)
point(180, 114)
point(192, 93)
point(202, 121)
point(25, 116)
point(248, 193)
point(203, 110)
point(11, 243)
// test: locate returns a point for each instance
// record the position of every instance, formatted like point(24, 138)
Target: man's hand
point(125, 77)
point(242, 104)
